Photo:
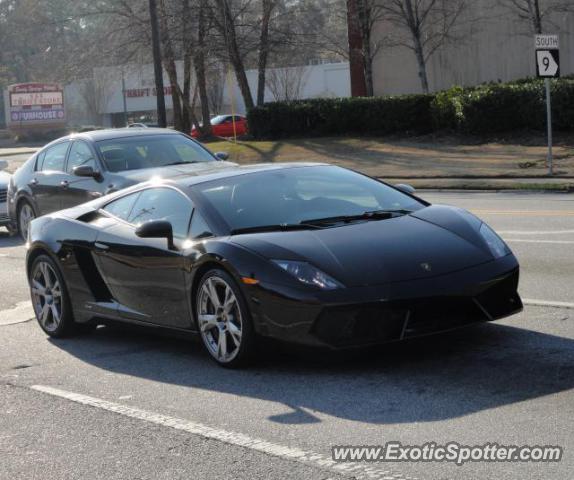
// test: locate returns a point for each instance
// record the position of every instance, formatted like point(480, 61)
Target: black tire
point(23, 229)
point(43, 307)
point(12, 230)
point(243, 353)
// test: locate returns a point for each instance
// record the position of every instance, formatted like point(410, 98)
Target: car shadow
point(9, 241)
point(423, 380)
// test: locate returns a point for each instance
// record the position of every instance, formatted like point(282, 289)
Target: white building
point(493, 45)
point(101, 100)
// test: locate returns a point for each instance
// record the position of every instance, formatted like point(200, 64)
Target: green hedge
point(336, 116)
point(485, 109)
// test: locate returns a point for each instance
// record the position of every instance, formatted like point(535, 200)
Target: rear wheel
point(25, 215)
point(224, 320)
point(50, 298)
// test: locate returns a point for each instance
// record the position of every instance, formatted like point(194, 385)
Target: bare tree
point(216, 87)
point(538, 13)
point(286, 84)
point(199, 62)
point(423, 26)
point(227, 21)
point(267, 10)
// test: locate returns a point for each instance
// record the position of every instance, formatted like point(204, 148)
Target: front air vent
point(90, 216)
point(92, 275)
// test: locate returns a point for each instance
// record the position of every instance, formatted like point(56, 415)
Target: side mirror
point(222, 155)
point(86, 171)
point(405, 188)
point(157, 229)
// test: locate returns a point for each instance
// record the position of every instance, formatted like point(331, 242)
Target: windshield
point(219, 119)
point(295, 195)
point(150, 151)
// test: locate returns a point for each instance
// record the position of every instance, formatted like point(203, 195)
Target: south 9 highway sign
point(547, 56)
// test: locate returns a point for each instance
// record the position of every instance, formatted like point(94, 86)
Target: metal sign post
point(549, 125)
point(547, 67)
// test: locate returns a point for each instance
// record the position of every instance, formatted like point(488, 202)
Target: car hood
point(433, 241)
point(131, 177)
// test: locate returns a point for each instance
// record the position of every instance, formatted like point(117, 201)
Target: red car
point(222, 126)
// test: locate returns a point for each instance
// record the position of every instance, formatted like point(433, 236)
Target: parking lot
point(131, 404)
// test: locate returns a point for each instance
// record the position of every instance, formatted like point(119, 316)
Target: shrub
point(484, 109)
point(563, 104)
point(446, 109)
point(335, 116)
point(500, 108)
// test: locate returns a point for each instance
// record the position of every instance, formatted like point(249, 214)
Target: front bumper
point(4, 217)
point(372, 315)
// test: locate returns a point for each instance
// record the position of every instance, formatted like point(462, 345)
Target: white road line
point(238, 439)
point(22, 312)
point(537, 232)
point(525, 240)
point(546, 303)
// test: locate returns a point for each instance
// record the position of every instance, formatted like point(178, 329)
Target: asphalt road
point(128, 404)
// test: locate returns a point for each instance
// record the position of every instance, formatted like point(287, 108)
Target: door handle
point(101, 246)
point(64, 184)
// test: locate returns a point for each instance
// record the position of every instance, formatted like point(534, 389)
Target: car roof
point(112, 133)
point(236, 170)
point(218, 172)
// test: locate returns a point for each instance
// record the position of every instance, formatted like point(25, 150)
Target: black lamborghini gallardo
point(310, 254)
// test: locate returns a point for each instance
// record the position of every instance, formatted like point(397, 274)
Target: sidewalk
point(550, 184)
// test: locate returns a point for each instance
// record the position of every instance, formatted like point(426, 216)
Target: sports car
point(311, 254)
point(225, 126)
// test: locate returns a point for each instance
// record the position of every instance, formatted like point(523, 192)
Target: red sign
point(145, 92)
point(34, 105)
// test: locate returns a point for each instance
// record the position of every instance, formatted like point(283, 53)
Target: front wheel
point(224, 320)
point(25, 215)
point(50, 298)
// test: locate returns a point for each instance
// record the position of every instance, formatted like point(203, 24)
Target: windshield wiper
point(281, 227)
point(370, 215)
point(177, 163)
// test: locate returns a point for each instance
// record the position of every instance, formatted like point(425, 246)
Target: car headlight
point(308, 274)
point(496, 245)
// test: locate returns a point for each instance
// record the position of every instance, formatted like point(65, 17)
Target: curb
point(474, 177)
point(24, 152)
point(493, 190)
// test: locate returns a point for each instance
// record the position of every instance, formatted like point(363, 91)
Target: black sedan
point(310, 254)
point(80, 167)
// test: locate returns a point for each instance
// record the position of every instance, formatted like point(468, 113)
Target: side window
point(199, 228)
point(55, 158)
point(163, 204)
point(80, 154)
point(122, 207)
point(39, 160)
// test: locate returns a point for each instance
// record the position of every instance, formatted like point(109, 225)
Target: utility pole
point(158, 70)
point(124, 99)
point(356, 59)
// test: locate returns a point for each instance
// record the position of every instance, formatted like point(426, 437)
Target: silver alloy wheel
point(219, 318)
point(24, 219)
point(46, 296)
